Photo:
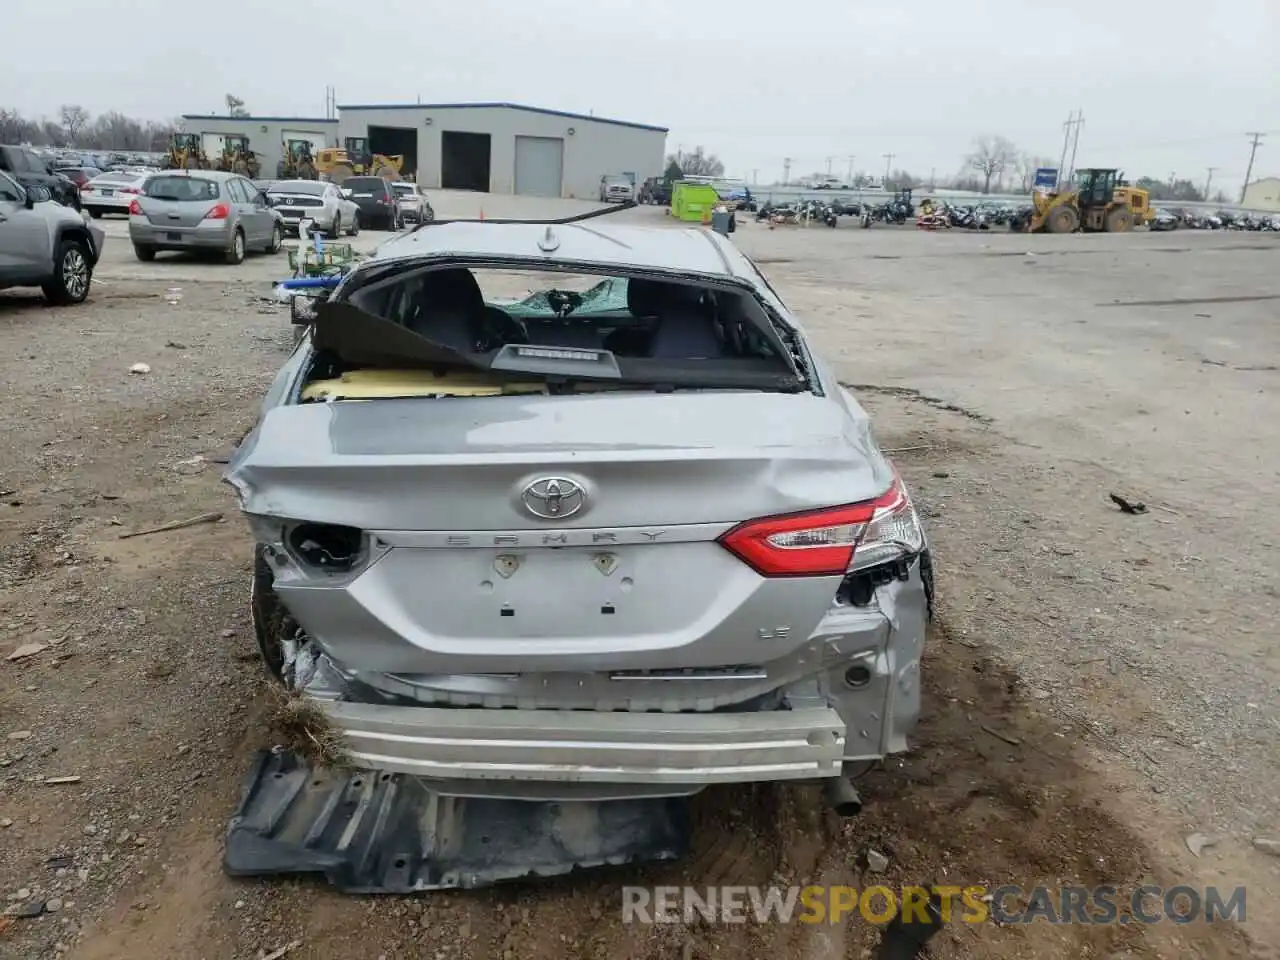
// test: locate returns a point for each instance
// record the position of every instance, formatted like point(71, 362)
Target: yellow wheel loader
point(365, 163)
point(298, 163)
point(185, 153)
point(237, 157)
point(334, 165)
point(1101, 202)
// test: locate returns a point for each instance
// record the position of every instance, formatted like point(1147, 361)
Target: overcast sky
point(1165, 87)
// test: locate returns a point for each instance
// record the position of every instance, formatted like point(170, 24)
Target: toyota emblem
point(554, 498)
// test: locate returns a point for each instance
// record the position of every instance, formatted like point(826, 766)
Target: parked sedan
point(651, 549)
point(317, 201)
point(376, 201)
point(1164, 220)
point(414, 207)
point(111, 192)
point(201, 211)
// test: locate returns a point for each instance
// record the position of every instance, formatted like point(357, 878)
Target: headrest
point(455, 287)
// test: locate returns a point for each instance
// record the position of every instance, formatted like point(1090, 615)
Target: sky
point(1165, 90)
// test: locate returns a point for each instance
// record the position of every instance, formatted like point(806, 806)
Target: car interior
point(648, 321)
point(655, 318)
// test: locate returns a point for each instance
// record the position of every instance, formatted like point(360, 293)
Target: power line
point(1257, 138)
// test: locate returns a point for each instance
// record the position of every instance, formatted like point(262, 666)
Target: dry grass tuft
point(300, 725)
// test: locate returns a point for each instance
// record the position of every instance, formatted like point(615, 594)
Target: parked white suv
point(44, 244)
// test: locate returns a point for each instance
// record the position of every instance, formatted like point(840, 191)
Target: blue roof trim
point(501, 105)
point(214, 116)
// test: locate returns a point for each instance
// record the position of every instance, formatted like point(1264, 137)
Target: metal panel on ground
point(539, 166)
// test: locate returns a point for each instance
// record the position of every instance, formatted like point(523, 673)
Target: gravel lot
point(1101, 685)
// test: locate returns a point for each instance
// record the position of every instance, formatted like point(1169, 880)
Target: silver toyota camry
point(575, 511)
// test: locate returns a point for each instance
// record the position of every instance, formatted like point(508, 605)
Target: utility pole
point(1208, 181)
point(1071, 123)
point(1257, 138)
point(888, 162)
point(829, 159)
point(1075, 142)
point(851, 158)
point(933, 183)
point(753, 176)
point(786, 171)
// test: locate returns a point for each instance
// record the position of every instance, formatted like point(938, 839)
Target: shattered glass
point(606, 296)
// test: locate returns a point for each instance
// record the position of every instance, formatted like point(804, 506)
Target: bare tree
point(901, 180)
point(53, 134)
point(111, 131)
point(74, 118)
point(235, 106)
point(991, 156)
point(697, 163)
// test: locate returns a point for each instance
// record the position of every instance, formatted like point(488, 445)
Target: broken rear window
point(566, 328)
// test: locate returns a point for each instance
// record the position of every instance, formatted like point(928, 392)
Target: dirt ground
point(1100, 685)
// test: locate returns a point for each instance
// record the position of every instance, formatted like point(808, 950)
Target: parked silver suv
point(45, 244)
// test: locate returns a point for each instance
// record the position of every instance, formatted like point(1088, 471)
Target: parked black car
point(26, 166)
point(1165, 220)
point(376, 200)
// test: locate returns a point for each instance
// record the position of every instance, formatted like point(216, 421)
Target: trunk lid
point(421, 464)
point(175, 213)
point(175, 200)
point(468, 579)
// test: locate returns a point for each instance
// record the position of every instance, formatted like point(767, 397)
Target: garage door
point(539, 166)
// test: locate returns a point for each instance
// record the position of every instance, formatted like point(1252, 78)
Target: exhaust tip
point(842, 797)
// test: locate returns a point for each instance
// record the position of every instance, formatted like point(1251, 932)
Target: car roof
point(592, 242)
point(219, 175)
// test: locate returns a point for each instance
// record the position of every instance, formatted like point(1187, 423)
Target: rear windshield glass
point(182, 188)
point(122, 177)
point(311, 188)
point(405, 189)
point(364, 184)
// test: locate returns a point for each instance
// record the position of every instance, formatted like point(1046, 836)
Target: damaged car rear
point(557, 525)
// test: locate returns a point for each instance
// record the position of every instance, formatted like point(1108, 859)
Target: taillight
point(219, 211)
point(135, 209)
point(831, 541)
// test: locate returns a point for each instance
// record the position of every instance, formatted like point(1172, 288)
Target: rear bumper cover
point(856, 700)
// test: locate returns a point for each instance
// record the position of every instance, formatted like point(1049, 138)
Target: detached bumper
point(589, 747)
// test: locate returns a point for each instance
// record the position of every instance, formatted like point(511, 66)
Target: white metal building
point(506, 147)
point(267, 135)
point(1262, 194)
